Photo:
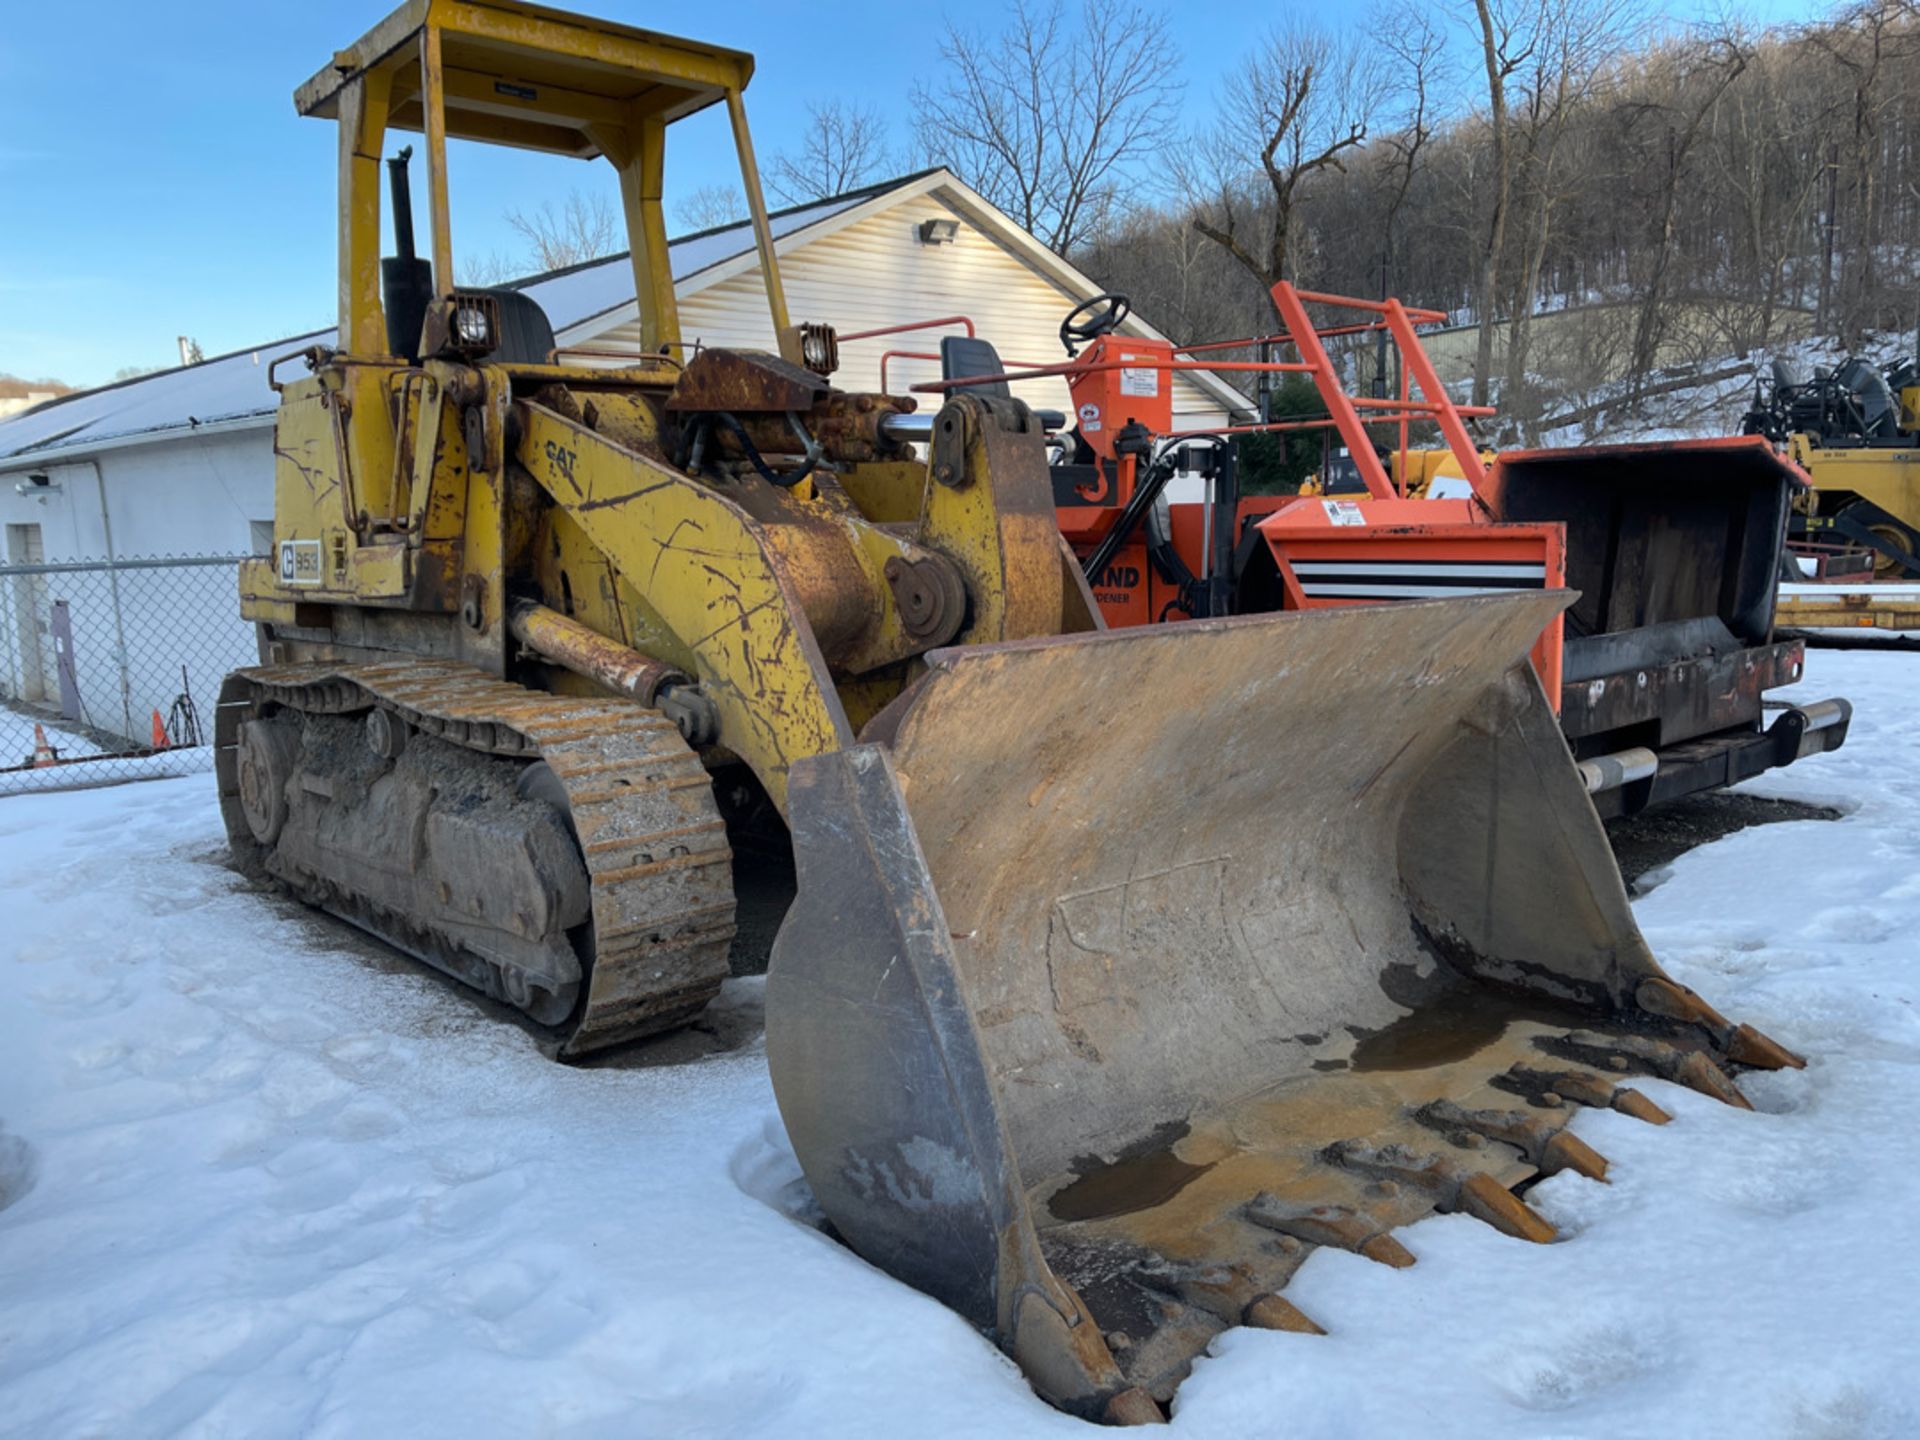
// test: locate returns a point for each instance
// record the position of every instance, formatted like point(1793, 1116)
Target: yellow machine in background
point(1413, 473)
point(1856, 432)
point(1111, 984)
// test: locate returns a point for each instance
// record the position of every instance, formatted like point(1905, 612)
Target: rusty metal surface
point(1097, 987)
point(588, 653)
point(637, 803)
point(1693, 696)
point(747, 381)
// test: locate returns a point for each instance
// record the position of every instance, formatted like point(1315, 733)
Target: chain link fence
point(110, 669)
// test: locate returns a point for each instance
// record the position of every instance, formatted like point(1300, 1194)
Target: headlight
point(473, 326)
point(819, 349)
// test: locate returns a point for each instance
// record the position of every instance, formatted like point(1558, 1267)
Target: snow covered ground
point(264, 1182)
point(17, 742)
point(17, 738)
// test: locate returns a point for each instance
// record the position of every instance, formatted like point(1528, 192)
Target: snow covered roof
point(231, 390)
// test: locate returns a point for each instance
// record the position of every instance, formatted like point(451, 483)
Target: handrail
point(910, 325)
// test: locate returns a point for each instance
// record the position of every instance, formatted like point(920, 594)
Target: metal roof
point(229, 391)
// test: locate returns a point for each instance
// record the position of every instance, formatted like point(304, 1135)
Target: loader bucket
point(1128, 967)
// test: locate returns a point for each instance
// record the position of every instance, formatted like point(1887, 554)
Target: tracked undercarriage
point(564, 856)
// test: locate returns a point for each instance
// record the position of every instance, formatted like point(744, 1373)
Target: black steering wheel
point(1113, 310)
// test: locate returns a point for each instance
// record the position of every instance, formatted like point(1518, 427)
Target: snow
point(111, 770)
point(17, 749)
point(17, 737)
point(1714, 407)
point(266, 1181)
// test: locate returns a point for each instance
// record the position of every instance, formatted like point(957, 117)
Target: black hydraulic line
point(1225, 515)
point(693, 445)
point(1157, 476)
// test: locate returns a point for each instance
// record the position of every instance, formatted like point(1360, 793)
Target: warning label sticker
point(1343, 512)
point(1089, 419)
point(299, 562)
point(1137, 381)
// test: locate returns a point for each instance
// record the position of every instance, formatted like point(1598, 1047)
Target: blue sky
point(155, 180)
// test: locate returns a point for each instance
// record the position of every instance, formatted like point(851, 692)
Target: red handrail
point(910, 325)
point(1351, 415)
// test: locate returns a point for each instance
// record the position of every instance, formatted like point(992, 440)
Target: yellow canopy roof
point(523, 75)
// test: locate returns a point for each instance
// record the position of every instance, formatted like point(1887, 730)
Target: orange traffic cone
point(43, 753)
point(160, 740)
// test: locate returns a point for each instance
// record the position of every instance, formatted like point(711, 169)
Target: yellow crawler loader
point(1125, 968)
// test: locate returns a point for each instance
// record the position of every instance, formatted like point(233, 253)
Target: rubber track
point(663, 903)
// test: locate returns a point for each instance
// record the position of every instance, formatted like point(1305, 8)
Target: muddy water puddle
point(1139, 1183)
point(1457, 1026)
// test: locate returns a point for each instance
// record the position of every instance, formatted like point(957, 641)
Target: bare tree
point(1052, 121)
point(709, 207)
point(1414, 39)
point(1869, 34)
point(493, 268)
point(1188, 284)
point(1661, 196)
point(1770, 163)
point(1570, 64)
point(1707, 73)
point(582, 227)
point(1507, 38)
point(1295, 107)
point(844, 146)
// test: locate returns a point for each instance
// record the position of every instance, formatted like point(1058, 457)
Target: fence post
point(60, 622)
point(15, 680)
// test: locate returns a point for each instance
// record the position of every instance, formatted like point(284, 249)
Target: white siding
point(875, 272)
point(181, 495)
point(134, 633)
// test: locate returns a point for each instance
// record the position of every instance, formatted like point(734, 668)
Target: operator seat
point(964, 355)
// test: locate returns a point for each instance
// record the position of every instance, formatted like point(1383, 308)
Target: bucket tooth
point(1273, 1312)
point(1582, 1087)
point(1692, 1068)
point(1567, 1151)
point(1337, 1225)
point(1485, 1198)
point(1548, 1147)
point(1698, 1072)
point(1748, 1046)
point(1742, 1044)
point(1452, 1190)
point(1133, 1406)
point(1629, 1101)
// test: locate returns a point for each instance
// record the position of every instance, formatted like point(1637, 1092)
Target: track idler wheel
point(267, 752)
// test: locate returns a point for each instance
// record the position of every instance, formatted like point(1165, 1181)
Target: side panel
point(1338, 552)
point(705, 568)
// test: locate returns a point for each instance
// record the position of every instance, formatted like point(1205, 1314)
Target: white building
point(181, 462)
